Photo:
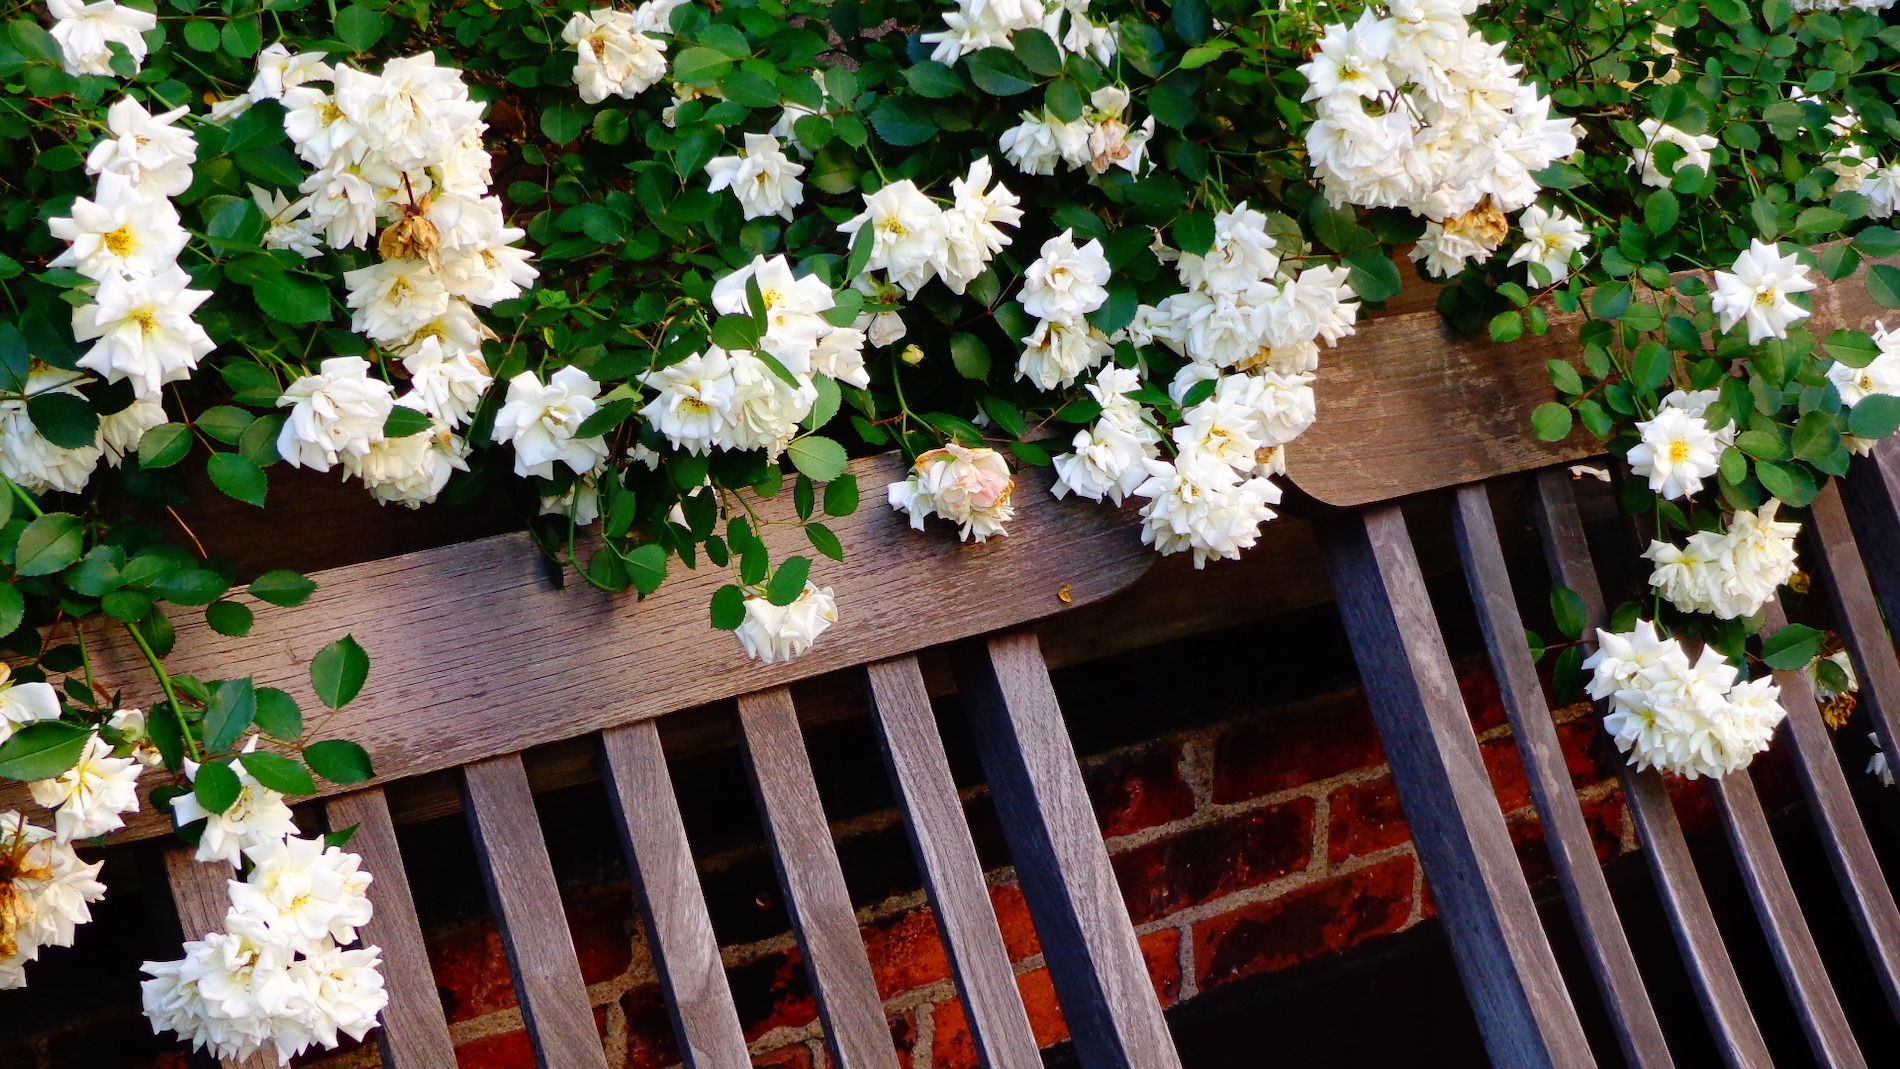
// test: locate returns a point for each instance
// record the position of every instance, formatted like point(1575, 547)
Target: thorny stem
point(171, 695)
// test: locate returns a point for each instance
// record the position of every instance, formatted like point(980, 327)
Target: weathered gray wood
point(527, 904)
point(1724, 1005)
point(698, 997)
point(414, 1032)
point(946, 855)
point(1406, 406)
point(200, 896)
point(444, 628)
point(1796, 957)
point(1871, 493)
point(1522, 1006)
point(1845, 570)
point(1088, 940)
point(815, 893)
point(1573, 851)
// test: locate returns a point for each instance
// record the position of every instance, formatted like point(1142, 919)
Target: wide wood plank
point(959, 897)
point(1100, 977)
point(1698, 940)
point(1406, 406)
point(1573, 851)
point(475, 635)
point(815, 893)
point(527, 904)
point(1523, 1008)
point(414, 1032)
point(1796, 957)
point(698, 997)
point(201, 897)
point(1844, 569)
point(1871, 493)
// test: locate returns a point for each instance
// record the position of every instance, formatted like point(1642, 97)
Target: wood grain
point(527, 905)
point(1100, 976)
point(1523, 1008)
point(1405, 406)
point(414, 1032)
point(202, 898)
point(698, 997)
point(946, 855)
point(1698, 940)
point(473, 654)
point(813, 882)
point(1864, 586)
point(1573, 850)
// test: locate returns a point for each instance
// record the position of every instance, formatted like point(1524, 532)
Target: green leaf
point(360, 26)
point(1852, 347)
point(971, 356)
point(826, 404)
point(1791, 648)
point(1611, 300)
point(281, 586)
point(701, 67)
point(229, 713)
point(51, 543)
point(339, 761)
point(818, 457)
point(997, 72)
point(1817, 436)
point(1566, 607)
point(1789, 482)
point(824, 541)
point(190, 586)
point(788, 581)
point(1373, 275)
point(1037, 52)
point(238, 476)
point(1878, 241)
point(841, 497)
point(804, 497)
point(563, 124)
point(243, 37)
point(42, 750)
point(404, 421)
point(292, 298)
point(279, 773)
point(278, 715)
point(226, 423)
point(1660, 211)
point(1650, 370)
point(64, 419)
point(902, 122)
point(646, 566)
point(12, 609)
point(1194, 232)
point(1761, 445)
point(1193, 21)
point(230, 618)
point(1551, 422)
point(1507, 326)
point(1876, 416)
point(728, 607)
point(1883, 285)
point(216, 786)
point(932, 79)
point(338, 672)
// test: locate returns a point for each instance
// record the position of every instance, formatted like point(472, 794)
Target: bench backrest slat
point(946, 855)
point(1573, 852)
point(1841, 564)
point(527, 904)
point(815, 892)
point(679, 928)
point(1712, 973)
point(415, 1032)
point(201, 897)
point(1088, 941)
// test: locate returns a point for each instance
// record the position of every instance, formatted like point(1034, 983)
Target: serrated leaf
point(404, 421)
point(1566, 607)
point(788, 581)
point(1876, 416)
point(278, 715)
point(229, 713)
point(339, 761)
point(64, 419)
point(1791, 648)
point(1883, 285)
point(51, 543)
point(932, 79)
point(1851, 347)
point(281, 586)
point(12, 609)
point(164, 445)
point(1551, 422)
point(971, 356)
point(42, 750)
point(818, 457)
point(646, 567)
point(216, 786)
point(728, 607)
point(279, 773)
point(824, 540)
point(338, 672)
point(230, 618)
point(292, 298)
point(238, 476)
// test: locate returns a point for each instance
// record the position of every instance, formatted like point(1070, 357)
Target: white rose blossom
point(87, 32)
point(773, 633)
point(1756, 291)
point(763, 178)
point(338, 412)
point(539, 420)
point(968, 487)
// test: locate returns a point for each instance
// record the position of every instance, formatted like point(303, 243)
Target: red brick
point(904, 1033)
point(1161, 950)
point(795, 1057)
point(1140, 789)
point(1304, 924)
point(1694, 805)
point(650, 1041)
point(601, 921)
point(951, 1045)
point(772, 992)
point(1364, 818)
point(510, 1050)
point(1602, 816)
point(1202, 864)
point(1507, 773)
point(1012, 916)
point(471, 971)
point(906, 952)
point(1774, 776)
point(1293, 745)
point(1480, 690)
point(1588, 754)
point(1045, 1013)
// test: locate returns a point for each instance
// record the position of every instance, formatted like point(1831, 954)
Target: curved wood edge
point(474, 654)
point(1405, 406)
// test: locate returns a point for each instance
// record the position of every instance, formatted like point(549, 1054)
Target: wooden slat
point(527, 904)
point(414, 1032)
point(1573, 851)
point(1845, 569)
point(946, 855)
point(1823, 781)
point(1871, 493)
point(1510, 976)
point(1406, 406)
point(1796, 957)
point(698, 997)
point(815, 893)
point(1724, 1005)
point(201, 897)
point(1088, 940)
point(444, 628)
